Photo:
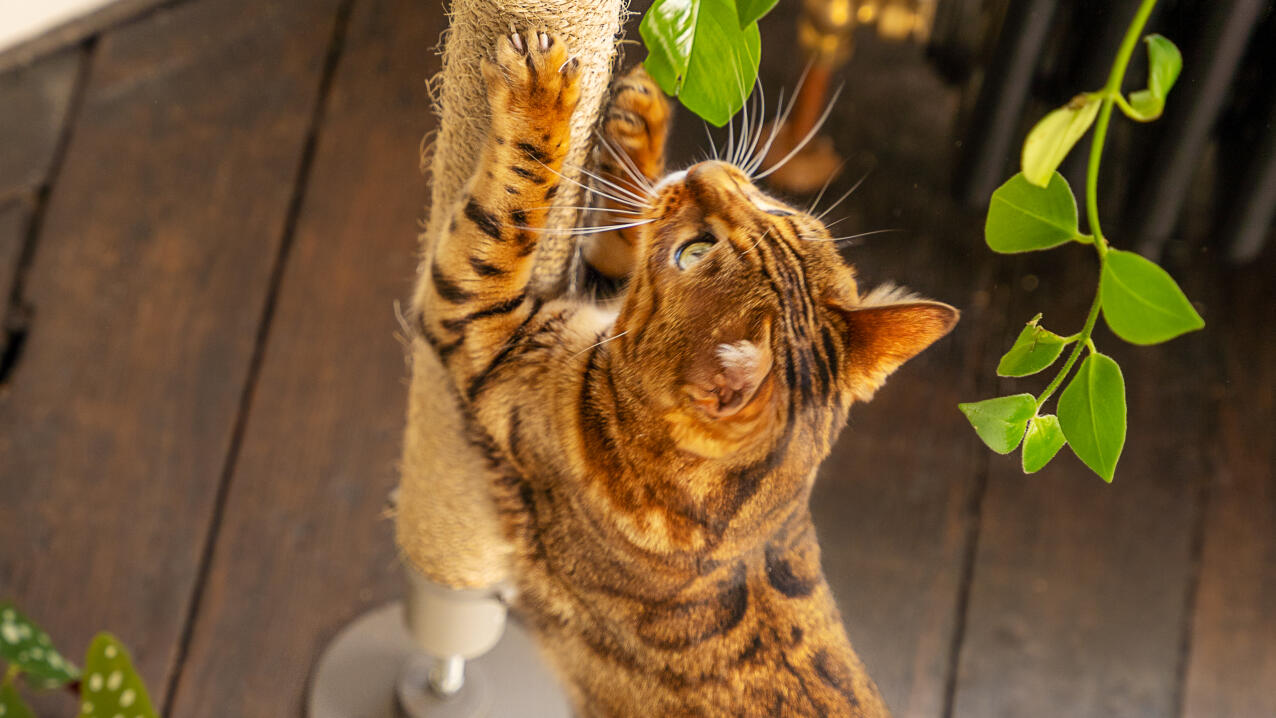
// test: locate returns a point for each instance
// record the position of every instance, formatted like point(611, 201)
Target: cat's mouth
point(743, 370)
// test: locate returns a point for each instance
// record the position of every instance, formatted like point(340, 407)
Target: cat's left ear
point(881, 337)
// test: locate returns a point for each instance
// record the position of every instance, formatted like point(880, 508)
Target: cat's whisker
point(810, 209)
point(743, 142)
point(595, 190)
point(808, 137)
point(781, 119)
point(845, 194)
point(627, 163)
point(712, 145)
point(586, 208)
point(623, 191)
point(759, 157)
point(756, 131)
point(595, 345)
point(636, 202)
point(757, 242)
point(851, 236)
point(576, 230)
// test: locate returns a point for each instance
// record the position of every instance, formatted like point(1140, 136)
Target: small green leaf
point(1034, 350)
point(1053, 137)
point(1092, 414)
point(697, 50)
point(1023, 217)
point(23, 644)
point(11, 704)
point(1141, 302)
point(1165, 62)
point(1042, 442)
point(1001, 422)
point(111, 686)
point(750, 11)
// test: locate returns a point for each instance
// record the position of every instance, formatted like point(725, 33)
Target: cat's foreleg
point(631, 159)
point(474, 295)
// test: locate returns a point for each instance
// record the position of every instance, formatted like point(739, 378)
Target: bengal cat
point(657, 455)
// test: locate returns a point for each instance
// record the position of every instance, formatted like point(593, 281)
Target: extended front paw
point(534, 76)
point(638, 122)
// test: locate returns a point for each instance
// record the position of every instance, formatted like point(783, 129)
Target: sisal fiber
point(446, 524)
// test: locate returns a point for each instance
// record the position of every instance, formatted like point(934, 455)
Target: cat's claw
point(533, 70)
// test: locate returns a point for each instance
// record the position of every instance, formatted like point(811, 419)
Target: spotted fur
point(656, 458)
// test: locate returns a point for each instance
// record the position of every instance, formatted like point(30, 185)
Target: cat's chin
point(704, 428)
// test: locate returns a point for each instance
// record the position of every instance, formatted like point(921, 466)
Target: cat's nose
point(712, 183)
point(711, 173)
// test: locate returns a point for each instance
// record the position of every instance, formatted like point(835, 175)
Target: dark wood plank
point(15, 214)
point(148, 286)
point(1079, 590)
point(1232, 667)
point(36, 100)
point(75, 30)
point(304, 546)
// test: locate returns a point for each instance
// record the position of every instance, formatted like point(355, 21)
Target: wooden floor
point(207, 214)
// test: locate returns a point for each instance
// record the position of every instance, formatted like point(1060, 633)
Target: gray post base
point(373, 669)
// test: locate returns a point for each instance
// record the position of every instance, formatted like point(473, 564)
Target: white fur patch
point(887, 293)
point(668, 179)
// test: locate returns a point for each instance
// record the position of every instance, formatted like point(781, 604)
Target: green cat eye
point(692, 252)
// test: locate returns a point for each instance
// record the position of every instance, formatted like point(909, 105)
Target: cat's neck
point(669, 502)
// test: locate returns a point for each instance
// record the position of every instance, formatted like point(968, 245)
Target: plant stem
point(1084, 338)
point(1110, 92)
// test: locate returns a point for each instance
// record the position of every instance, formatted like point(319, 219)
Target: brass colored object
point(825, 31)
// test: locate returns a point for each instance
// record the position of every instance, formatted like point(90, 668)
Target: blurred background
point(208, 209)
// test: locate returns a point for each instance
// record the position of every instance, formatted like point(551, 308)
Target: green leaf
point(111, 687)
point(1042, 442)
point(1141, 302)
point(697, 50)
point(1023, 217)
point(11, 704)
point(1034, 350)
point(750, 11)
point(1001, 422)
point(1165, 62)
point(1092, 414)
point(23, 644)
point(1053, 137)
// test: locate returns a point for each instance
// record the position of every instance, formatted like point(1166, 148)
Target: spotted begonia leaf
point(110, 686)
point(23, 644)
point(11, 704)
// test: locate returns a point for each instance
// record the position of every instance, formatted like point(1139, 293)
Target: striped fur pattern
point(656, 455)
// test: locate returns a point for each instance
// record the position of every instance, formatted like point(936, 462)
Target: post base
point(373, 669)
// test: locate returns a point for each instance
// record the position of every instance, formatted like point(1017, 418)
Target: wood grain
point(36, 100)
point(305, 545)
point(148, 286)
point(1232, 667)
point(15, 214)
point(1079, 587)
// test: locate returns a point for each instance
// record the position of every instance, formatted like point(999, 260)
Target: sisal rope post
point(446, 523)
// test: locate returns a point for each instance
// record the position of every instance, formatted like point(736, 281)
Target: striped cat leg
point(474, 293)
point(631, 159)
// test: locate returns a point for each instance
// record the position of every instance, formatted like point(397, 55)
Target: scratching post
point(446, 525)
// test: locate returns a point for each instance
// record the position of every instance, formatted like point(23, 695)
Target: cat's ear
point(723, 380)
point(881, 337)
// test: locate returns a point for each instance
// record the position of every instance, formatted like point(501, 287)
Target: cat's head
point(741, 316)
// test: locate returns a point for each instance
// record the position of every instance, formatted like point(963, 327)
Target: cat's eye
point(692, 252)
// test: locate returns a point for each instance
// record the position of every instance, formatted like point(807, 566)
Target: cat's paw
point(638, 121)
point(533, 75)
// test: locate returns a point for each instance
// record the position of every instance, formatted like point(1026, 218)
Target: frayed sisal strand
point(446, 523)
